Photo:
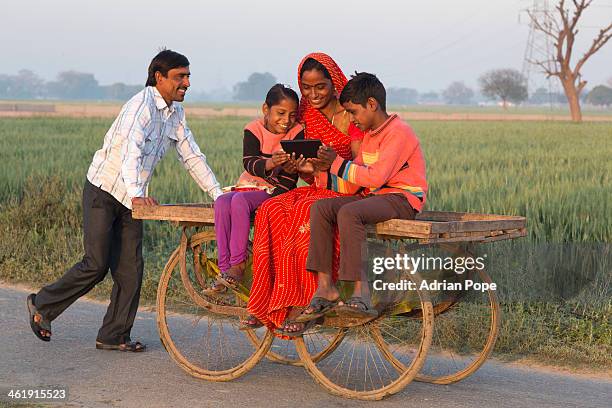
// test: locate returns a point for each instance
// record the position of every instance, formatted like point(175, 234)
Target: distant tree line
point(508, 86)
point(68, 85)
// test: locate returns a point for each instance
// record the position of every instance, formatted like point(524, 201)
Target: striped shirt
point(140, 136)
point(390, 160)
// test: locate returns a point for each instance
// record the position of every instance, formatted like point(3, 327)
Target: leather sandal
point(40, 326)
point(132, 346)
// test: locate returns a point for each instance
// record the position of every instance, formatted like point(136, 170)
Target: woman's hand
point(304, 166)
point(290, 166)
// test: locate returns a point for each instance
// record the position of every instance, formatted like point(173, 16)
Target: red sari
point(282, 224)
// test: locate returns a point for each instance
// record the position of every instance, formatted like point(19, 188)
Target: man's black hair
point(164, 62)
point(362, 86)
point(311, 64)
point(279, 92)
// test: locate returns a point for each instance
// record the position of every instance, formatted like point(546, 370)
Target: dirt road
point(113, 379)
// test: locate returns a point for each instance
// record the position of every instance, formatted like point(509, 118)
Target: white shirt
point(138, 139)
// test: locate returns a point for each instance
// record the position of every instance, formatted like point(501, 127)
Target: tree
point(119, 91)
point(600, 95)
point(561, 28)
point(509, 85)
point(430, 97)
point(255, 88)
point(74, 85)
point(402, 96)
point(458, 94)
point(25, 85)
point(543, 96)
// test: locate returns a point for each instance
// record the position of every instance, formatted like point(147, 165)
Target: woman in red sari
point(282, 230)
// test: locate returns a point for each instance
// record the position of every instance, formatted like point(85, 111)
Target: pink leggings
point(232, 223)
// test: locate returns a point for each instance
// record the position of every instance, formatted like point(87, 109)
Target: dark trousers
point(112, 239)
point(351, 215)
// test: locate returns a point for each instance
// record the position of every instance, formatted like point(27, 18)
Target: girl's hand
point(279, 157)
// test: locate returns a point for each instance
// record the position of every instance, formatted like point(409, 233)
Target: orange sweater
point(390, 160)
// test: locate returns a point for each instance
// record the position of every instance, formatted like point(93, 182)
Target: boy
point(388, 178)
point(147, 127)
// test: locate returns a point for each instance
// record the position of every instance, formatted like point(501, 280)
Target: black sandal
point(320, 306)
point(40, 326)
point(357, 308)
point(132, 346)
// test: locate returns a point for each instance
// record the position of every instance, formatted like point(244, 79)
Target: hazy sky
point(419, 44)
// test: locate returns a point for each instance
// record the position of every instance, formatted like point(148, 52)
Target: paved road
point(101, 379)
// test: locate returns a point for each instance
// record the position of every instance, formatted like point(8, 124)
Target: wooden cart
point(356, 359)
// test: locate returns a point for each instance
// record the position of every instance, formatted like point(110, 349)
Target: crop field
point(555, 174)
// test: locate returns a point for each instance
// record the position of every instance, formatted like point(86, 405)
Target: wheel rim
point(203, 342)
point(359, 368)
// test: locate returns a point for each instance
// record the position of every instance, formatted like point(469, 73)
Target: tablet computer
point(306, 148)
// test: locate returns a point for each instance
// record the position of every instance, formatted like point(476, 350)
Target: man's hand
point(143, 201)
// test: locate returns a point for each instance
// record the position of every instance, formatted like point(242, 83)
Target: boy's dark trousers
point(351, 215)
point(111, 239)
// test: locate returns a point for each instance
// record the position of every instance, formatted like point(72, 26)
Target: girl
point(269, 172)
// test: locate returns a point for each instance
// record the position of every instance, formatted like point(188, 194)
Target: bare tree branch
point(539, 26)
point(563, 30)
point(599, 41)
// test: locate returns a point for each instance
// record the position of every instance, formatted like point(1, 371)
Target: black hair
point(311, 64)
point(279, 92)
point(362, 86)
point(163, 62)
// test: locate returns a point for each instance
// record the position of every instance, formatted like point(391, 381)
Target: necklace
point(334, 112)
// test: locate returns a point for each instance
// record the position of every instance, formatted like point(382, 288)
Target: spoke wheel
point(358, 367)
point(200, 333)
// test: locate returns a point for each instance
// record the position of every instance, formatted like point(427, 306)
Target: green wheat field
point(555, 174)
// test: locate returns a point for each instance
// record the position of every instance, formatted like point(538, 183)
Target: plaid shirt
point(138, 139)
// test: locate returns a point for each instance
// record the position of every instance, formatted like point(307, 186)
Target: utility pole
point(539, 48)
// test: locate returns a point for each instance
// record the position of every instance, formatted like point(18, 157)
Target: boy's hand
point(320, 165)
point(326, 156)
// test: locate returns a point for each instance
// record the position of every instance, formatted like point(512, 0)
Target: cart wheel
point(464, 335)
point(282, 351)
point(467, 324)
point(320, 341)
point(201, 336)
point(358, 368)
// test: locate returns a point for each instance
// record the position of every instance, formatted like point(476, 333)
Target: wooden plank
point(404, 227)
point(516, 234)
point(374, 230)
point(443, 216)
point(478, 225)
point(199, 213)
point(457, 227)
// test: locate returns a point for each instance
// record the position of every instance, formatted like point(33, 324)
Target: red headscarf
point(316, 124)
